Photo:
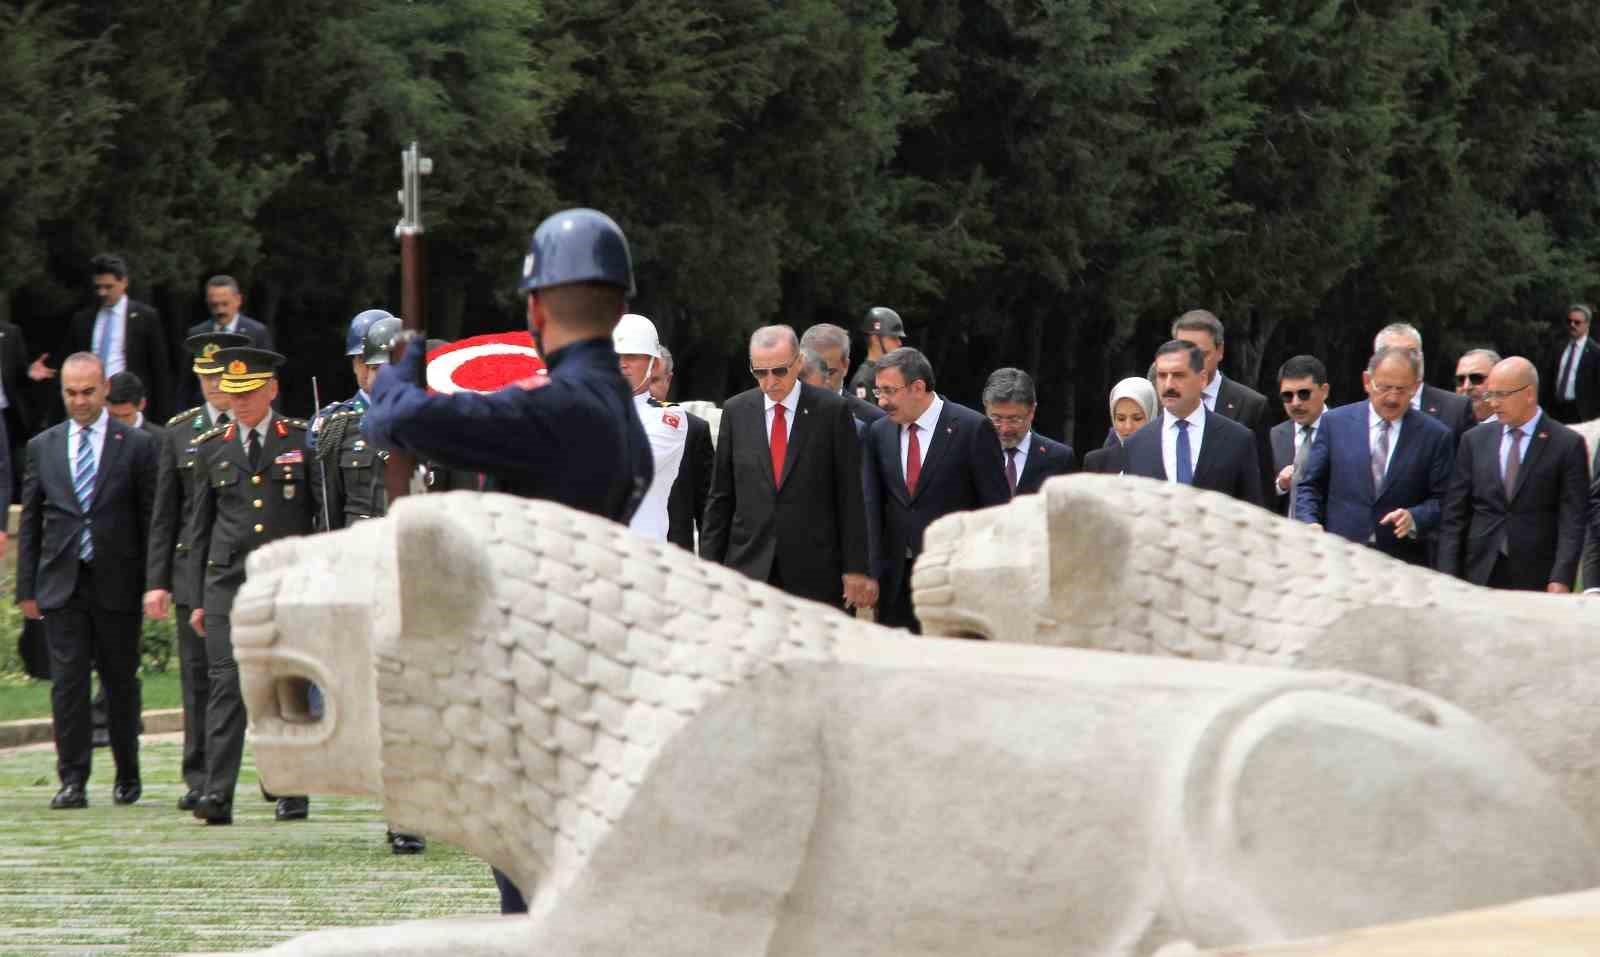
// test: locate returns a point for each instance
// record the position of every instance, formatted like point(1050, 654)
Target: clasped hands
point(860, 591)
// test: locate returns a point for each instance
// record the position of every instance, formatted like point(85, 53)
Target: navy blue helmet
point(356, 336)
point(577, 245)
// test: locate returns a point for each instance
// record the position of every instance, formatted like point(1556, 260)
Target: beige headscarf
point(1139, 390)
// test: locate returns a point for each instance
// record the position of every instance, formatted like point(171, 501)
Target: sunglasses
point(1476, 378)
point(1304, 395)
point(777, 372)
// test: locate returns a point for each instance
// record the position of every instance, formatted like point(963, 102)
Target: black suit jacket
point(962, 470)
point(1283, 440)
point(686, 503)
point(1228, 461)
point(865, 410)
point(1046, 457)
point(118, 517)
point(188, 389)
point(1587, 387)
point(14, 378)
point(1246, 406)
point(811, 524)
point(1541, 526)
point(1110, 460)
point(145, 348)
point(1455, 411)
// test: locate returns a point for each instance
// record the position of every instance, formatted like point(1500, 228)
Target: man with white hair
point(638, 355)
point(1453, 410)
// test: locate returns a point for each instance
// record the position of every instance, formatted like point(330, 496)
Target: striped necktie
point(83, 486)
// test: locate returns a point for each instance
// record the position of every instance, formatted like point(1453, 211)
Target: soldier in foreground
point(252, 487)
point(171, 577)
point(571, 436)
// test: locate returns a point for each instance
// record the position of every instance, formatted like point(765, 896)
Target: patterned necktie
point(1185, 455)
point(1011, 469)
point(1301, 453)
point(779, 442)
point(1513, 461)
point(913, 458)
point(83, 487)
point(1380, 455)
point(255, 450)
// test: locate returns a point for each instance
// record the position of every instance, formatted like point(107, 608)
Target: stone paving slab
point(148, 879)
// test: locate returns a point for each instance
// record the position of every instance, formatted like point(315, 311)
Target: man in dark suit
point(1377, 470)
point(223, 301)
point(1453, 410)
point(686, 502)
point(87, 496)
point(1303, 388)
point(1188, 444)
point(1009, 400)
point(926, 458)
point(831, 346)
point(1569, 384)
point(126, 401)
point(1514, 515)
point(16, 395)
point(1221, 395)
point(125, 334)
point(785, 505)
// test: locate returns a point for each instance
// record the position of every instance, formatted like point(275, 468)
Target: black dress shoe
point(405, 843)
point(293, 808)
point(190, 799)
point(126, 792)
point(213, 808)
point(71, 796)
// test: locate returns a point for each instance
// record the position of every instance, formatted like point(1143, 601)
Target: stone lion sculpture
point(672, 759)
point(1119, 563)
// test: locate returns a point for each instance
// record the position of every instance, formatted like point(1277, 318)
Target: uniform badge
point(360, 444)
point(290, 457)
point(283, 430)
point(671, 420)
point(288, 491)
point(237, 367)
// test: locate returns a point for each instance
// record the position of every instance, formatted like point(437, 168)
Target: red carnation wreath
point(483, 363)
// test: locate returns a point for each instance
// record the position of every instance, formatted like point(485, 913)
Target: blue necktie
point(83, 486)
point(1185, 464)
point(102, 335)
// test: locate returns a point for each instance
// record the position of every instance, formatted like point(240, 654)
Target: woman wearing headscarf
point(1133, 404)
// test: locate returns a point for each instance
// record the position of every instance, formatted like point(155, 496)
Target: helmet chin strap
point(649, 369)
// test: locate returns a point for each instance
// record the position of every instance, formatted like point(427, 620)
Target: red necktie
point(1011, 469)
point(779, 442)
point(913, 459)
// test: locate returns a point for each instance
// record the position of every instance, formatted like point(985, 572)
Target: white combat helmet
point(635, 335)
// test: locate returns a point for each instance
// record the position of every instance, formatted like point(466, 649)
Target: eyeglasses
point(889, 391)
point(1289, 395)
point(1476, 378)
point(1393, 389)
point(1577, 322)
point(776, 372)
point(1000, 420)
point(1505, 393)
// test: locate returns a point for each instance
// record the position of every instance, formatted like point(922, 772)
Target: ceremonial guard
point(252, 487)
point(170, 573)
point(571, 436)
point(885, 332)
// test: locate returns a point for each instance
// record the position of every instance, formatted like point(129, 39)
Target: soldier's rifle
point(399, 466)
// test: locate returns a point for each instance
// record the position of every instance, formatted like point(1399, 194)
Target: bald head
point(1513, 390)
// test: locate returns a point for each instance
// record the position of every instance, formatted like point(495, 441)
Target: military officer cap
point(205, 347)
point(883, 321)
point(245, 369)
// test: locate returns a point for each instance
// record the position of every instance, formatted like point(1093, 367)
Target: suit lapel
point(755, 433)
point(1536, 446)
point(889, 449)
point(1208, 454)
point(58, 458)
point(1401, 451)
point(1227, 407)
point(1037, 457)
point(798, 432)
point(110, 456)
point(945, 431)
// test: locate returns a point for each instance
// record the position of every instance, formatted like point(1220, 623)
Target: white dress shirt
point(1574, 353)
point(115, 333)
point(927, 424)
point(1208, 395)
point(1021, 458)
point(1528, 429)
point(97, 442)
point(260, 430)
point(790, 403)
point(668, 432)
point(1373, 418)
point(1169, 440)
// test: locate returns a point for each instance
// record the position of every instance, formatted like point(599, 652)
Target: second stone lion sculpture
point(1126, 564)
point(671, 759)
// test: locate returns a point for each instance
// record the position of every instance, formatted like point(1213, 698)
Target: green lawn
point(23, 697)
point(148, 879)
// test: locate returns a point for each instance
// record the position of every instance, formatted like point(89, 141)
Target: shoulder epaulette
point(349, 414)
point(181, 416)
point(213, 433)
point(294, 423)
